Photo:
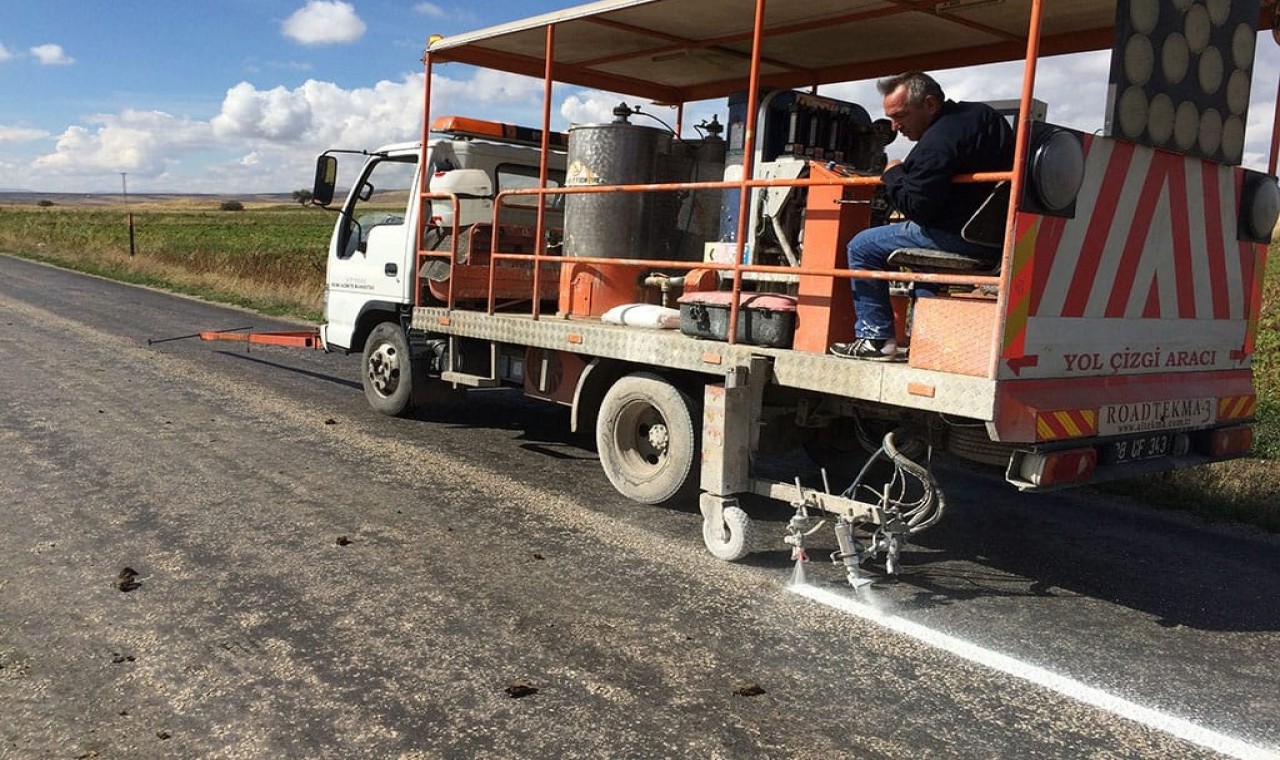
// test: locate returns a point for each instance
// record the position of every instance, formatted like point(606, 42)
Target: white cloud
point(276, 114)
point(51, 55)
point(320, 114)
point(596, 107)
point(20, 134)
point(430, 10)
point(141, 142)
point(4, 53)
point(324, 22)
point(266, 139)
point(593, 107)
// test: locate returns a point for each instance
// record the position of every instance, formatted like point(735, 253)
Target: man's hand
point(892, 164)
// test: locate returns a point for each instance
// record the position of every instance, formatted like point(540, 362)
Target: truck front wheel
point(646, 438)
point(387, 371)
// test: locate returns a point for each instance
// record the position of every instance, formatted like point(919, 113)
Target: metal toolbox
point(764, 319)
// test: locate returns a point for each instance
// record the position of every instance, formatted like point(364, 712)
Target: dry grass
point(1242, 489)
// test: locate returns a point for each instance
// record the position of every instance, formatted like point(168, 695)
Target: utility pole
point(124, 185)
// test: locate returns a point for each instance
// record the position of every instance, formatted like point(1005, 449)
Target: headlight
point(1260, 208)
point(1057, 170)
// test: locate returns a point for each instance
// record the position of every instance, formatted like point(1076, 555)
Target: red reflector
point(1233, 440)
point(1056, 467)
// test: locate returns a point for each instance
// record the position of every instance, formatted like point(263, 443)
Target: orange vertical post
point(748, 165)
point(423, 179)
point(539, 243)
point(824, 308)
point(1021, 147)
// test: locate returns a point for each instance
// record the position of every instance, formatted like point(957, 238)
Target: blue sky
point(92, 88)
point(231, 96)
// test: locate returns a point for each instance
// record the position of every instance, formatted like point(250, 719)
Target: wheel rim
point(383, 369)
point(643, 439)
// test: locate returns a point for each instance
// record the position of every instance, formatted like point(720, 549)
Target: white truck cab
point(371, 270)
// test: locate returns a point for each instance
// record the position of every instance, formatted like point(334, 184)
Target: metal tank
point(618, 225)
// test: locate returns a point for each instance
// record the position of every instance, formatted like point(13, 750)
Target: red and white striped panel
point(1154, 237)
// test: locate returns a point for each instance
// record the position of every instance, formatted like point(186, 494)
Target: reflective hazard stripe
point(1153, 238)
point(1236, 407)
point(1067, 423)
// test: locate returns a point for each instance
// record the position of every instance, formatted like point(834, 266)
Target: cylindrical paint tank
point(617, 225)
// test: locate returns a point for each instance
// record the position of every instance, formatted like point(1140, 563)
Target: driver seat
point(985, 227)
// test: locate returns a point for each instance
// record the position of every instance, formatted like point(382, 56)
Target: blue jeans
point(869, 250)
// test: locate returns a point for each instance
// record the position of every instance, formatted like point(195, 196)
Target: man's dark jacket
point(963, 138)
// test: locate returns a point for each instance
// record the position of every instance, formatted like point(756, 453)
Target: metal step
point(471, 381)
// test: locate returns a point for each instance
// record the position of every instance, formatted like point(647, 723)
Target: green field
point(271, 258)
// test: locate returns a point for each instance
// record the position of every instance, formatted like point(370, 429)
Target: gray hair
point(919, 86)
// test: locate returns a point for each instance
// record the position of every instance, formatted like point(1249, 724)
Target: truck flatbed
point(894, 383)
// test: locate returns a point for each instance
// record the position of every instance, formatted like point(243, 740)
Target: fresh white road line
point(1068, 687)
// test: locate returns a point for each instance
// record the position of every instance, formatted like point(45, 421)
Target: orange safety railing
point(737, 267)
point(539, 257)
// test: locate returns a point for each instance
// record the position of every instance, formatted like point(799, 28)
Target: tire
point(387, 371)
point(731, 539)
point(647, 440)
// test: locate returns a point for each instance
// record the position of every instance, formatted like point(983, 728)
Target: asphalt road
point(313, 580)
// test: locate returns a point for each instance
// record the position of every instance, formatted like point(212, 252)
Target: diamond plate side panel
point(891, 383)
point(954, 335)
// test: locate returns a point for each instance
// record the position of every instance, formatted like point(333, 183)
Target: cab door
point(370, 263)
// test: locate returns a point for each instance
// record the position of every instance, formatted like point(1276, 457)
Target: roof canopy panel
point(679, 50)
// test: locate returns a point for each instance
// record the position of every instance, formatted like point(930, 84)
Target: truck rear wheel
point(646, 438)
point(387, 371)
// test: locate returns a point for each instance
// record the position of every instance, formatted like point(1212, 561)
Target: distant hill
point(108, 200)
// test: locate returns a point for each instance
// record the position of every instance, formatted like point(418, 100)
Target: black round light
point(1264, 208)
point(1057, 170)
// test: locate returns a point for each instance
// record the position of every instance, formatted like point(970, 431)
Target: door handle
point(391, 270)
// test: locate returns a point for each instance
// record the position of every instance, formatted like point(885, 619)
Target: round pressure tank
point(619, 225)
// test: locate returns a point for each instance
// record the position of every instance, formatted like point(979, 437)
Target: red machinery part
point(291, 339)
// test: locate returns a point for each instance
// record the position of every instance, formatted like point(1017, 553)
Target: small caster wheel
point(728, 537)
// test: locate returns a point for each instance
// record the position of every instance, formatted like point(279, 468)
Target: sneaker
point(869, 349)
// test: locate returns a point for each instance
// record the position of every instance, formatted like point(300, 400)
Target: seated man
point(951, 138)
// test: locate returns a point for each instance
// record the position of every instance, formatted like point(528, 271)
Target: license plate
point(1152, 416)
point(1134, 449)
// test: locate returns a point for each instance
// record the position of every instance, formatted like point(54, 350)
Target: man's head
point(911, 101)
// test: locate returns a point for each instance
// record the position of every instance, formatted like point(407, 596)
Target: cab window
point(519, 177)
point(382, 197)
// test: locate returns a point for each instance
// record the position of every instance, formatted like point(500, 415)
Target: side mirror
point(326, 179)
